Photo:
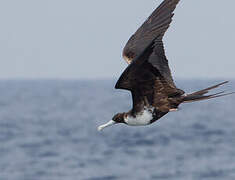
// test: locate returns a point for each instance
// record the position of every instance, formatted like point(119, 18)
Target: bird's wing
point(145, 78)
point(155, 26)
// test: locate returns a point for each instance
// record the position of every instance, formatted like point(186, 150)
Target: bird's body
point(148, 76)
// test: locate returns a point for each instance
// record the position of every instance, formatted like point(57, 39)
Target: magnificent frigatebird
point(148, 75)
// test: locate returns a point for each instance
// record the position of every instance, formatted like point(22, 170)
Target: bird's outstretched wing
point(146, 82)
point(148, 75)
point(155, 26)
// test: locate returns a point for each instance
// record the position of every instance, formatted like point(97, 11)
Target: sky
point(83, 39)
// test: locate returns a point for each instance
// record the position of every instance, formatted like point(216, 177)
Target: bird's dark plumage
point(148, 75)
point(154, 27)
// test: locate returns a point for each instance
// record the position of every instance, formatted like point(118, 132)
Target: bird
point(148, 76)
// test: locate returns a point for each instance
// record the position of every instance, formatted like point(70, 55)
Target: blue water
point(48, 132)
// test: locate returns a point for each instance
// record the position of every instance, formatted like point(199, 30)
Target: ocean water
point(48, 132)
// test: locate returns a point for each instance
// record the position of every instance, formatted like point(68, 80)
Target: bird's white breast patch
point(141, 119)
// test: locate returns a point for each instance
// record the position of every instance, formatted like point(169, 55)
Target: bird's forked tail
point(200, 95)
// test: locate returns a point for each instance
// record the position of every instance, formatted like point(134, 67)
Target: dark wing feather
point(154, 27)
point(145, 81)
point(159, 61)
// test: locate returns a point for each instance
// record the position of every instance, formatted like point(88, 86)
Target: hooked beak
point(110, 123)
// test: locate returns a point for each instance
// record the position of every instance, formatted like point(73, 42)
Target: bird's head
point(118, 118)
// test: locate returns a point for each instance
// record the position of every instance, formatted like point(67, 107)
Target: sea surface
point(48, 132)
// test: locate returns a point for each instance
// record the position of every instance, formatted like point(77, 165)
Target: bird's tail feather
point(200, 95)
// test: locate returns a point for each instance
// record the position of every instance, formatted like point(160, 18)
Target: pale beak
point(110, 123)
